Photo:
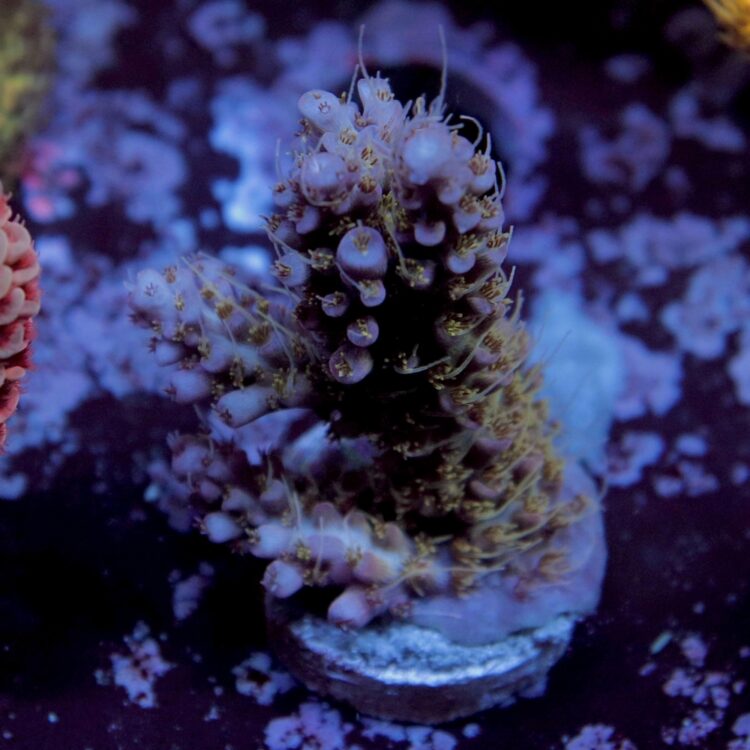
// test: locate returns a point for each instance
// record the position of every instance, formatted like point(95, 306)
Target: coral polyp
point(19, 303)
point(371, 424)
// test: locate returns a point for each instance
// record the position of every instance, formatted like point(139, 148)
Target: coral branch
point(431, 469)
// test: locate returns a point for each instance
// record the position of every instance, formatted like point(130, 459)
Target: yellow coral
point(26, 53)
point(734, 17)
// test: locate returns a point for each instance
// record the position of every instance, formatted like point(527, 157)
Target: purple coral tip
point(350, 364)
point(362, 253)
point(363, 331)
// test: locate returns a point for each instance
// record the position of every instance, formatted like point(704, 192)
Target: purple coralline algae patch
point(716, 133)
point(314, 725)
point(408, 737)
point(741, 729)
point(115, 149)
point(652, 381)
point(716, 304)
point(259, 678)
point(552, 248)
point(630, 307)
point(682, 473)
point(188, 590)
point(598, 737)
point(627, 68)
point(691, 479)
point(222, 26)
point(693, 730)
point(712, 309)
point(634, 452)
point(739, 367)
point(653, 247)
point(634, 157)
point(138, 670)
point(320, 726)
point(86, 31)
point(122, 146)
point(704, 696)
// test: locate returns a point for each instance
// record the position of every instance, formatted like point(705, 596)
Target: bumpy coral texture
point(19, 303)
point(26, 50)
point(370, 424)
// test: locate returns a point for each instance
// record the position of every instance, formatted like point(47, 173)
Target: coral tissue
point(19, 303)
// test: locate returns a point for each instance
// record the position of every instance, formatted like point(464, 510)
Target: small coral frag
point(19, 303)
point(391, 322)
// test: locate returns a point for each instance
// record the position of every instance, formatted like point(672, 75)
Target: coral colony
point(19, 303)
point(371, 425)
point(26, 51)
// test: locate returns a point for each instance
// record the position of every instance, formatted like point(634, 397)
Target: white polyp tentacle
point(480, 129)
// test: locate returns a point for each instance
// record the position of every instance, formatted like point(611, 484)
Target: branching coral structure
point(371, 424)
point(19, 303)
point(26, 51)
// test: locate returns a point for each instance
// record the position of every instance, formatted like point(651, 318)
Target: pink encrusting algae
point(19, 303)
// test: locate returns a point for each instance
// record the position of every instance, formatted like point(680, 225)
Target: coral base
point(403, 672)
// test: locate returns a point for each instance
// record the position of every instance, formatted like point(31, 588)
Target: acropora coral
point(19, 303)
point(26, 54)
point(380, 385)
point(734, 18)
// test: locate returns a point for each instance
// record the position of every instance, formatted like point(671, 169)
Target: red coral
point(19, 303)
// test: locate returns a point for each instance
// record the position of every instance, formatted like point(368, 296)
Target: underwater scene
point(374, 375)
